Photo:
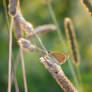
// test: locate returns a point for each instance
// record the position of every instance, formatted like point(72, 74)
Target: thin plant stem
point(41, 29)
point(23, 69)
point(14, 73)
point(17, 61)
point(14, 78)
point(79, 77)
point(62, 42)
point(15, 65)
point(57, 26)
point(10, 56)
point(41, 43)
point(74, 75)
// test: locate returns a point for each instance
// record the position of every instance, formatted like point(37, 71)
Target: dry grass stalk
point(26, 26)
point(19, 34)
point(10, 56)
point(88, 5)
point(18, 29)
point(12, 10)
point(41, 29)
point(23, 69)
point(14, 78)
point(57, 72)
point(26, 44)
point(72, 40)
point(13, 7)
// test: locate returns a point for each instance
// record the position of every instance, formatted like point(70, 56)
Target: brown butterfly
point(58, 57)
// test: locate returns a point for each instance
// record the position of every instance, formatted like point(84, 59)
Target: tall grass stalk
point(62, 42)
point(79, 78)
point(72, 41)
point(23, 69)
point(73, 46)
point(10, 55)
point(41, 43)
point(14, 78)
point(76, 80)
point(56, 23)
point(14, 73)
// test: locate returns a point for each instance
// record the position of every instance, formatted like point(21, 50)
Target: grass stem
point(10, 56)
point(23, 69)
point(62, 41)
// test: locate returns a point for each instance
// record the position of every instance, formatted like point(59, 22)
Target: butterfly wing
point(61, 57)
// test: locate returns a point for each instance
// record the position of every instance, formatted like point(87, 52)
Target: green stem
point(62, 42)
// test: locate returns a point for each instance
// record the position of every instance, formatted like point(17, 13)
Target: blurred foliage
point(38, 78)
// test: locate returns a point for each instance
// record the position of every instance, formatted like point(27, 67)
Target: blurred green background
point(37, 12)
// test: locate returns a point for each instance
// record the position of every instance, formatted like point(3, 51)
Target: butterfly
point(58, 57)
